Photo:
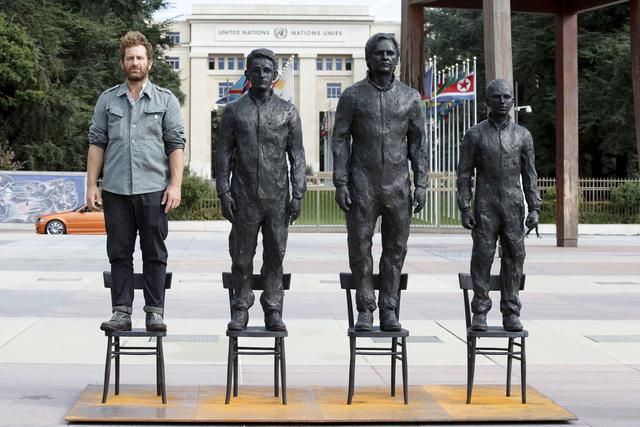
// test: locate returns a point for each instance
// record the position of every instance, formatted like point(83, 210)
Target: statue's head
point(262, 69)
point(382, 53)
point(499, 97)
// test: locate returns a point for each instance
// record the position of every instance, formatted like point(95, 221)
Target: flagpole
point(475, 95)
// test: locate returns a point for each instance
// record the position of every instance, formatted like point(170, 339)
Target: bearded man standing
point(137, 141)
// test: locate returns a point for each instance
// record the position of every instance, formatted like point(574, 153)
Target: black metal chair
point(493, 332)
point(346, 283)
point(278, 352)
point(115, 350)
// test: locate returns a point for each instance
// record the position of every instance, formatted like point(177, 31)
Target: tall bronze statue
point(500, 152)
point(256, 135)
point(380, 125)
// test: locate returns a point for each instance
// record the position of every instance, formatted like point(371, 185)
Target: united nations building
point(320, 47)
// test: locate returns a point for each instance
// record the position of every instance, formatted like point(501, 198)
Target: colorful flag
point(283, 86)
point(458, 89)
point(428, 84)
point(236, 91)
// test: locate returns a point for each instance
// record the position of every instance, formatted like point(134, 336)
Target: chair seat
point(497, 332)
point(135, 332)
point(376, 332)
point(257, 331)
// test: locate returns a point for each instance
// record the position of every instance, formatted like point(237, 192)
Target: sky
point(382, 10)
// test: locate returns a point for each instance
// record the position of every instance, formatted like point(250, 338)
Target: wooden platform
point(205, 404)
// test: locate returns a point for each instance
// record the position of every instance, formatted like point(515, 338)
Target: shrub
point(626, 199)
point(199, 199)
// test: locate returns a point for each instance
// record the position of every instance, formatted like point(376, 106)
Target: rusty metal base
point(205, 404)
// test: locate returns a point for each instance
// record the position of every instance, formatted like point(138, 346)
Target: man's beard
point(137, 77)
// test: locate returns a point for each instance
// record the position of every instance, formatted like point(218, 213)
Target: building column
point(200, 126)
point(359, 67)
point(412, 45)
point(497, 40)
point(634, 18)
point(307, 110)
point(567, 178)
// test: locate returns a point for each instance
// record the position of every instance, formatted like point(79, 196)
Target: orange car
point(79, 221)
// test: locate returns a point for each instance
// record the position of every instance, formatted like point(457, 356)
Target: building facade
point(324, 45)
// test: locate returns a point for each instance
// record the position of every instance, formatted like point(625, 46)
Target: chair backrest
point(466, 284)
point(138, 280)
point(346, 283)
point(257, 285)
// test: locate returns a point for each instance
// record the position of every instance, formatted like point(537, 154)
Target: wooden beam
point(577, 6)
point(412, 45)
point(538, 6)
point(634, 18)
point(497, 40)
point(567, 179)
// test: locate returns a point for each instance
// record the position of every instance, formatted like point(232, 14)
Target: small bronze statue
point(257, 133)
point(501, 152)
point(380, 125)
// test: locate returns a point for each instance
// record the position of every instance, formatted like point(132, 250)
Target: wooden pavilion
point(498, 60)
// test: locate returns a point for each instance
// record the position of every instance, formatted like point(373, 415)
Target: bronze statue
point(380, 125)
point(257, 133)
point(500, 152)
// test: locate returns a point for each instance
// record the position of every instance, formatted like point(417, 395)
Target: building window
point(174, 62)
point(319, 64)
point(328, 64)
point(339, 64)
point(174, 37)
point(223, 89)
point(334, 90)
point(241, 63)
point(347, 64)
point(212, 62)
point(231, 62)
point(221, 63)
point(296, 64)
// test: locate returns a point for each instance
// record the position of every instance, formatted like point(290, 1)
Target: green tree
point(71, 51)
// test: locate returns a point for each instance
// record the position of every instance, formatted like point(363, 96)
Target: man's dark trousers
point(251, 216)
point(125, 217)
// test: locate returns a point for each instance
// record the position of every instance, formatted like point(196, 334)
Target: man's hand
point(171, 198)
point(93, 197)
point(228, 206)
point(343, 198)
point(468, 221)
point(419, 199)
point(532, 220)
point(294, 209)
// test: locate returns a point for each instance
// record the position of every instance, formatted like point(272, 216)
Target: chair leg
point(352, 368)
point(523, 371)
point(471, 365)
point(158, 378)
point(117, 363)
point(229, 370)
point(394, 349)
point(405, 371)
point(276, 364)
point(107, 370)
point(163, 383)
point(509, 366)
point(283, 370)
point(236, 356)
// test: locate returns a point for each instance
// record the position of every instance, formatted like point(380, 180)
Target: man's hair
point(135, 38)
point(262, 53)
point(373, 41)
point(494, 84)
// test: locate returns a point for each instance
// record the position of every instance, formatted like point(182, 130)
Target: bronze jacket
point(254, 141)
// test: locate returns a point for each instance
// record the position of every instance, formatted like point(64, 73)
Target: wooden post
point(497, 40)
point(567, 179)
point(412, 45)
point(634, 18)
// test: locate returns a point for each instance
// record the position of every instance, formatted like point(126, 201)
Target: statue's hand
point(228, 206)
point(532, 220)
point(294, 209)
point(419, 199)
point(468, 220)
point(343, 198)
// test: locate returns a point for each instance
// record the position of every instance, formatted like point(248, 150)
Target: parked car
point(79, 221)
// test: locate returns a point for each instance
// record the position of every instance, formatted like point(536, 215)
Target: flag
point(236, 91)
point(458, 89)
point(283, 86)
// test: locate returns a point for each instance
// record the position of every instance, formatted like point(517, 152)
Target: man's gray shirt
point(137, 138)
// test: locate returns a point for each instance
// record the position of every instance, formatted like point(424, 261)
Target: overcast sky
point(382, 10)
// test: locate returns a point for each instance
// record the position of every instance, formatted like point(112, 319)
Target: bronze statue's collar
point(500, 125)
point(377, 86)
point(261, 101)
